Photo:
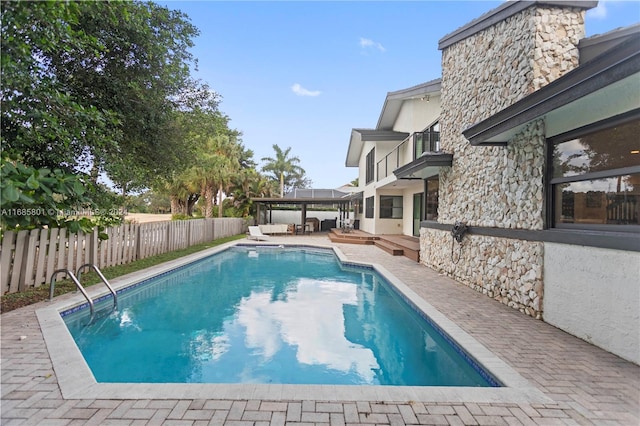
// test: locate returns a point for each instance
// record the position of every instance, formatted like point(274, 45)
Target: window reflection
point(432, 198)
point(612, 148)
point(613, 200)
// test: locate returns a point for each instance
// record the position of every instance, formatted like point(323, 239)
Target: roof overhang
point(265, 200)
point(360, 136)
point(425, 166)
point(357, 196)
point(393, 101)
point(609, 84)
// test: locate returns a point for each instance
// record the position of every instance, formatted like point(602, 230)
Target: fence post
point(6, 267)
point(92, 255)
point(138, 234)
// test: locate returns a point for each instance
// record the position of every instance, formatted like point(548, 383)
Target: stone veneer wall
point(499, 186)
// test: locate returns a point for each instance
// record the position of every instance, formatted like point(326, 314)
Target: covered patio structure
point(305, 198)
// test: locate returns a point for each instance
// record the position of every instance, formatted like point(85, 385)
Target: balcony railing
point(407, 151)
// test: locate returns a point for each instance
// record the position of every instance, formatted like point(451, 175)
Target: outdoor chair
point(347, 225)
point(256, 234)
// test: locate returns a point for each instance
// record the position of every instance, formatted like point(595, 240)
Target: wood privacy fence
point(28, 258)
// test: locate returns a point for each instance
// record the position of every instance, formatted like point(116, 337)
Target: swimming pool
point(76, 380)
point(270, 315)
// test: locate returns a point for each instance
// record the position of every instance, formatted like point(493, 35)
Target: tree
point(217, 165)
point(36, 198)
point(98, 85)
point(182, 191)
point(286, 170)
point(249, 184)
point(43, 125)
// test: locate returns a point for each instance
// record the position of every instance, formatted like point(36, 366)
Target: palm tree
point(285, 169)
point(182, 193)
point(218, 165)
point(249, 184)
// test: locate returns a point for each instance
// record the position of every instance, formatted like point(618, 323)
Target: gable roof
point(390, 111)
point(393, 101)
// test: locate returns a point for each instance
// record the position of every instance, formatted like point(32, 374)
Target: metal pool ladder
point(76, 280)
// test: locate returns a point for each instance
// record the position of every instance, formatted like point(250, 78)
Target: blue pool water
point(268, 315)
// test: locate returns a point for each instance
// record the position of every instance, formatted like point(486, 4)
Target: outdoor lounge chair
point(256, 234)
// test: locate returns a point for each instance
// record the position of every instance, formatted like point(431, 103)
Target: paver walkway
point(588, 385)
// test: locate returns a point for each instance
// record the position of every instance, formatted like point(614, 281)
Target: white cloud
point(366, 43)
point(301, 91)
point(599, 12)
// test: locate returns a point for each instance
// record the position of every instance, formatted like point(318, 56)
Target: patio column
point(304, 213)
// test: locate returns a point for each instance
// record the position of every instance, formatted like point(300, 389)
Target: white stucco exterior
point(594, 294)
point(414, 114)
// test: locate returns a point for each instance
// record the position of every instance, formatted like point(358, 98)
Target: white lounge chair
point(256, 234)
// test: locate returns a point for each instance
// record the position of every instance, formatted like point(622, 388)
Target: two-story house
point(399, 161)
point(537, 157)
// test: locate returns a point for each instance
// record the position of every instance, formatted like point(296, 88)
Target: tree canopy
point(93, 89)
point(96, 85)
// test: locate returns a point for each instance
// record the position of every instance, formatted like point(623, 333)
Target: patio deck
point(395, 245)
point(585, 384)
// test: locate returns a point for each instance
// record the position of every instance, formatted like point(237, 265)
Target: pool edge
point(77, 381)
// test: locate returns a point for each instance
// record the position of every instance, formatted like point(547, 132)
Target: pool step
point(352, 237)
point(396, 245)
point(390, 248)
point(410, 246)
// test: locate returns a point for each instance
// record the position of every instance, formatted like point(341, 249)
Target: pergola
point(306, 197)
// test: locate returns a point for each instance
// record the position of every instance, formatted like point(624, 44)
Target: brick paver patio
point(586, 385)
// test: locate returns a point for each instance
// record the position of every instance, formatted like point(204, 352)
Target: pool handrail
point(102, 277)
point(52, 284)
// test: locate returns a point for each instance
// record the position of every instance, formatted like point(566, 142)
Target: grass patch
point(13, 301)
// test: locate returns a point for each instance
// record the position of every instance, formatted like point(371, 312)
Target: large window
point(370, 170)
point(595, 176)
point(432, 185)
point(369, 207)
point(391, 207)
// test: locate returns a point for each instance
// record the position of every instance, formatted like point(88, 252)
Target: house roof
point(502, 12)
point(393, 101)
point(607, 84)
point(308, 196)
point(315, 193)
point(388, 116)
point(360, 136)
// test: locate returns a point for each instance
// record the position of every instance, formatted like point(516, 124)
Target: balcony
point(407, 151)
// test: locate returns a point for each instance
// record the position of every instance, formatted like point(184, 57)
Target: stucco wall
point(295, 216)
point(499, 187)
point(416, 114)
point(594, 294)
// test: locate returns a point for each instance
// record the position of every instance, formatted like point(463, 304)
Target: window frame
point(552, 203)
point(370, 166)
point(369, 207)
point(430, 202)
point(394, 209)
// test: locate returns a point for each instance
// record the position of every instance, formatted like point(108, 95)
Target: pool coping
point(77, 381)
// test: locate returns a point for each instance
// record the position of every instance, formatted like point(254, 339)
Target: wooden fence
point(28, 258)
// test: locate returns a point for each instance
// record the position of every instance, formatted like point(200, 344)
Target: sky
point(302, 74)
